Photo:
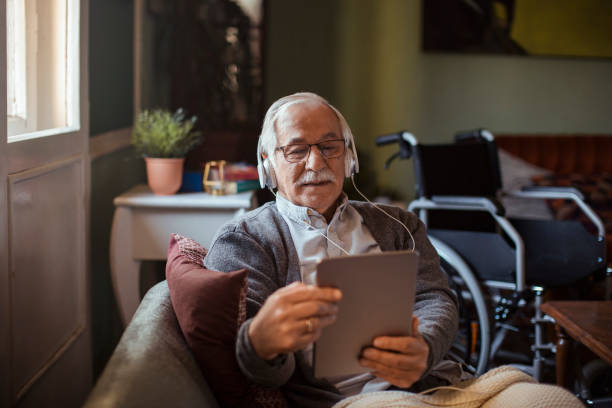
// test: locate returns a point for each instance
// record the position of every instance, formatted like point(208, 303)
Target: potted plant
point(164, 138)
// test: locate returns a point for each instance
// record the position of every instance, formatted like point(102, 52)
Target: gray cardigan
point(261, 242)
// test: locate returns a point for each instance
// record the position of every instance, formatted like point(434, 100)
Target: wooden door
point(45, 345)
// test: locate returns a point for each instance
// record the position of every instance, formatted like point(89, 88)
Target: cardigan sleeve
point(435, 304)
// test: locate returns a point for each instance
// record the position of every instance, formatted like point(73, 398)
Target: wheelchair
point(498, 267)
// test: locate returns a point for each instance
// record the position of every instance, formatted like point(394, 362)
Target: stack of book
point(239, 177)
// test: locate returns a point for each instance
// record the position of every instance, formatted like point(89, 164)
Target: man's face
point(315, 182)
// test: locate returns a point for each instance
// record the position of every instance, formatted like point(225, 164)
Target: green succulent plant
point(162, 134)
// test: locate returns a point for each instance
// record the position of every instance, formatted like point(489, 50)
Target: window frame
point(36, 76)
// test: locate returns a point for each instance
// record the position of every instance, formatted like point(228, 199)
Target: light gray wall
point(386, 83)
point(516, 94)
point(366, 57)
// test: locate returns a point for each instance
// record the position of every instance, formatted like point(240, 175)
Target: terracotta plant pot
point(164, 175)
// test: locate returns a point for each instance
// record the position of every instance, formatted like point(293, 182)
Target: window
point(42, 68)
point(16, 61)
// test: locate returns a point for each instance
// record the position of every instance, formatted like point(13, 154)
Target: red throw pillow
point(210, 307)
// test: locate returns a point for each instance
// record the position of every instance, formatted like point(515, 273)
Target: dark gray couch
point(152, 365)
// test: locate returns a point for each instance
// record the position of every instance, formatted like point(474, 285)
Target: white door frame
point(4, 254)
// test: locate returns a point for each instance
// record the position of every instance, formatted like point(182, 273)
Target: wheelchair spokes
point(473, 333)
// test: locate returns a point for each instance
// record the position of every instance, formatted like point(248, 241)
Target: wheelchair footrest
point(543, 319)
point(548, 346)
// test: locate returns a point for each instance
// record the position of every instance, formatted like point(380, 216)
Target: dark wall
point(111, 175)
point(110, 64)
point(111, 108)
point(300, 47)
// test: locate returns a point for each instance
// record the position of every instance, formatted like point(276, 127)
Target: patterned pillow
point(516, 173)
point(210, 307)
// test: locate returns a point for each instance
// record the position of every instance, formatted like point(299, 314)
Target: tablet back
point(377, 299)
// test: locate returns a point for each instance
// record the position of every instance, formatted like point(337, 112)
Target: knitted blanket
point(504, 386)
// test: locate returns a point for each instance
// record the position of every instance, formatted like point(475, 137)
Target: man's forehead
point(311, 115)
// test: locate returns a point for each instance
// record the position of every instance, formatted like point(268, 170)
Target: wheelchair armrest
point(553, 190)
point(566, 193)
point(489, 204)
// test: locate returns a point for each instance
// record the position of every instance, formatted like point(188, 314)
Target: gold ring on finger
point(309, 326)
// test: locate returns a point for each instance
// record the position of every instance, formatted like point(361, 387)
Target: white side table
point(141, 230)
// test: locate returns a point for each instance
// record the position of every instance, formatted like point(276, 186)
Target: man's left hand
point(398, 360)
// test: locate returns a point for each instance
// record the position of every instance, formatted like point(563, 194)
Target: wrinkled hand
point(292, 318)
point(398, 360)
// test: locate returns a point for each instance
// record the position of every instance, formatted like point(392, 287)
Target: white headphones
point(267, 177)
point(265, 167)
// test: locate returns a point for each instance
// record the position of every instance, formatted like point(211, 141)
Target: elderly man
point(306, 150)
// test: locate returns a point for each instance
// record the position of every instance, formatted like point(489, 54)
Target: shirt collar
point(299, 214)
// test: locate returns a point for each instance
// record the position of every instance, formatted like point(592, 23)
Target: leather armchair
point(152, 365)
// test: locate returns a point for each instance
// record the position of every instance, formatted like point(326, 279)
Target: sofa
point(152, 365)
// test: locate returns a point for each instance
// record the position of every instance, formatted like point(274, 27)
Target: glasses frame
point(310, 145)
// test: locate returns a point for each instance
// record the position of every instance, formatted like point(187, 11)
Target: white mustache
point(314, 177)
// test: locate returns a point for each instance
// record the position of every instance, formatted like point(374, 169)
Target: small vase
point(164, 175)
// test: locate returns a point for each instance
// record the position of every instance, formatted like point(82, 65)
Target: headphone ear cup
point(269, 174)
point(349, 164)
point(263, 178)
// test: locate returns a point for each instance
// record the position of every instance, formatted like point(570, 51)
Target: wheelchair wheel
point(472, 343)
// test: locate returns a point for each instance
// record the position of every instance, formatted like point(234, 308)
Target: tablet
point(377, 299)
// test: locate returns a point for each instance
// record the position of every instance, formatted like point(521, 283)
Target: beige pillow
point(516, 173)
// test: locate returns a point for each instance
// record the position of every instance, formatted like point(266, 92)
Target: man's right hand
point(292, 318)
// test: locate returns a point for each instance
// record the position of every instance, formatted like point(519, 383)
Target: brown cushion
point(563, 154)
point(210, 307)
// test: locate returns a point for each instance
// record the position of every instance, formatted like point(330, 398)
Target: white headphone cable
point(326, 237)
point(316, 230)
point(384, 212)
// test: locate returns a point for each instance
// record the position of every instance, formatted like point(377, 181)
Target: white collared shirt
point(308, 230)
point(346, 229)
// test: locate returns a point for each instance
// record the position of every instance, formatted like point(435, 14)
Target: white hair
point(269, 138)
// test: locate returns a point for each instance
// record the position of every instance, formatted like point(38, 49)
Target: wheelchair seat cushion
point(557, 253)
point(489, 256)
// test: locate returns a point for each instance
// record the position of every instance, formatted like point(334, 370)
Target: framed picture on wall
point(568, 28)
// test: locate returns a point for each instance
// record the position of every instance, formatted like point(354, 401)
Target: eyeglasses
point(330, 149)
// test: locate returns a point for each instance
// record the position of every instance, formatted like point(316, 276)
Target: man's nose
point(315, 160)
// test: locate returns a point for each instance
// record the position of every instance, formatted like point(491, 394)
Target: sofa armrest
point(152, 365)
